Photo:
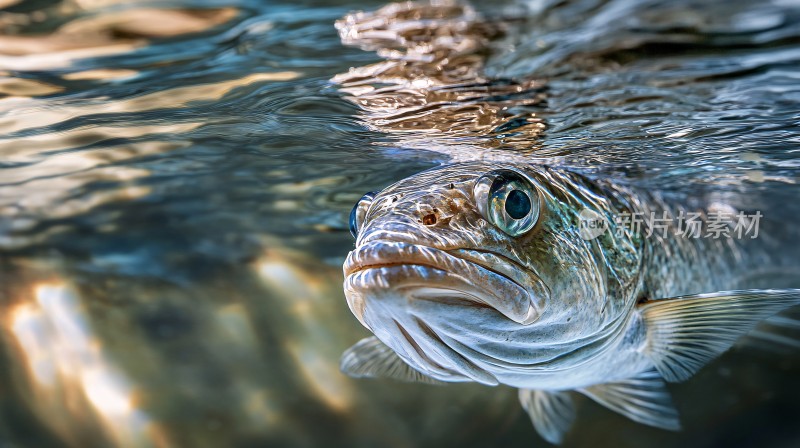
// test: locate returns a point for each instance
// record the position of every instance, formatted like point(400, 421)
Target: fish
point(525, 275)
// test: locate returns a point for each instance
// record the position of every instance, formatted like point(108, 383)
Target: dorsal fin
point(371, 358)
point(552, 412)
point(644, 399)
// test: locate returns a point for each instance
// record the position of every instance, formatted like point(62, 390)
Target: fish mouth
point(418, 272)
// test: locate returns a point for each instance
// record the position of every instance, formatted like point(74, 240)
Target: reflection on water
point(175, 178)
point(431, 88)
point(85, 35)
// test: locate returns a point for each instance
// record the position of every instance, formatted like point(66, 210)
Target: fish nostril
point(429, 219)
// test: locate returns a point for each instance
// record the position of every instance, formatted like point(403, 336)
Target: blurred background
point(175, 178)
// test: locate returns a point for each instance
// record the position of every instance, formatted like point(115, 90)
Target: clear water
point(175, 178)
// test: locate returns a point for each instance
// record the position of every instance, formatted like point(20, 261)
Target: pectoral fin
point(685, 333)
point(552, 413)
point(644, 399)
point(371, 358)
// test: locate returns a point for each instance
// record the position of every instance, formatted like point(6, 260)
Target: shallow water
point(176, 176)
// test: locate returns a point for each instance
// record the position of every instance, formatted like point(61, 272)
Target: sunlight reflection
point(60, 185)
point(305, 296)
point(236, 325)
point(104, 34)
point(17, 87)
point(70, 371)
point(102, 74)
point(150, 22)
point(34, 55)
point(43, 149)
point(35, 114)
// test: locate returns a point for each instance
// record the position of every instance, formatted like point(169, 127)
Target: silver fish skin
point(451, 296)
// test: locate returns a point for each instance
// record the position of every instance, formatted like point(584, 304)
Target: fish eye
point(507, 199)
point(359, 212)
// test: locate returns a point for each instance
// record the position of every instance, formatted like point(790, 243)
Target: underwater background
point(176, 176)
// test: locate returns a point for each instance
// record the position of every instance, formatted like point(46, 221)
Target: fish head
point(474, 271)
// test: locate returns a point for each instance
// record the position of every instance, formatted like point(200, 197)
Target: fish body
point(488, 272)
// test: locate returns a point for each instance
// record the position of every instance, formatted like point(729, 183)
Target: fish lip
point(498, 290)
point(362, 258)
